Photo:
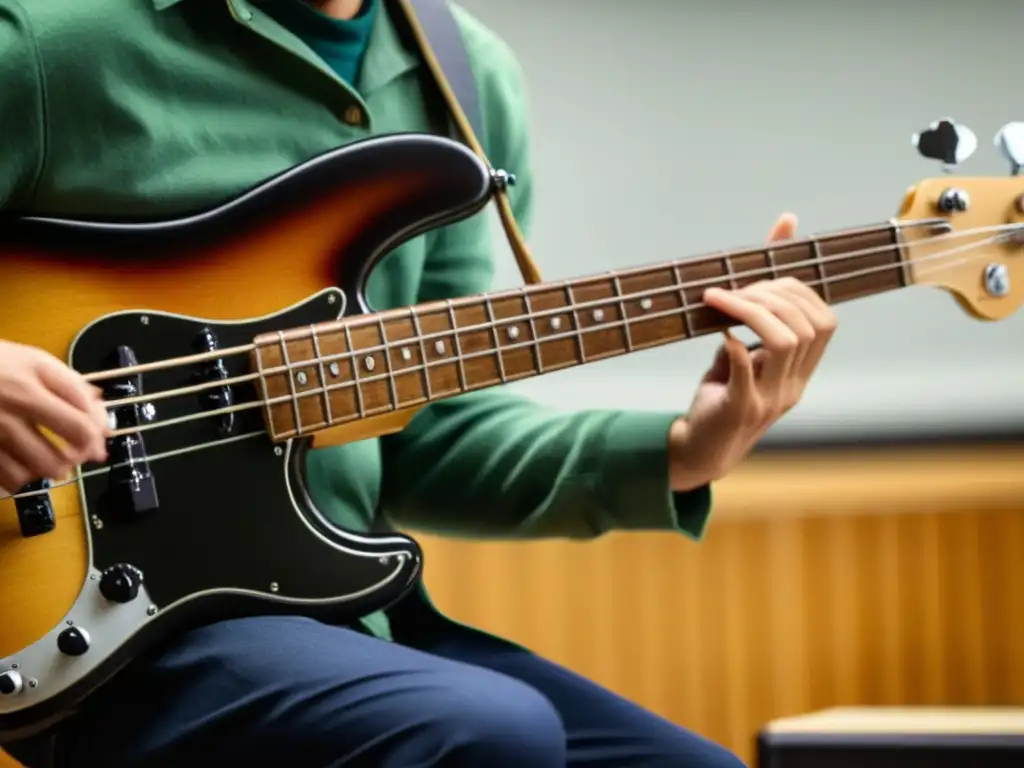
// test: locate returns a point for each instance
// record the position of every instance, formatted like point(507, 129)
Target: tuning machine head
point(947, 142)
point(1009, 140)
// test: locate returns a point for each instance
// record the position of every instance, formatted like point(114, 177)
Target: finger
point(742, 386)
point(76, 427)
point(12, 474)
point(818, 309)
point(719, 370)
point(32, 450)
point(784, 228)
point(66, 383)
point(781, 365)
point(820, 316)
point(101, 418)
point(100, 415)
point(774, 333)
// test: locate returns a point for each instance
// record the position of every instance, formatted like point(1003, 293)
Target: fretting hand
point(745, 391)
point(38, 391)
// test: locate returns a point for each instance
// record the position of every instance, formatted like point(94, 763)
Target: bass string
point(766, 271)
point(390, 345)
point(79, 475)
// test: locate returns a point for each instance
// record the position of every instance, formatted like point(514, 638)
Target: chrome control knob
point(73, 641)
point(11, 683)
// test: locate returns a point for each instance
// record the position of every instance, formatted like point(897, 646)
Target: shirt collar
point(387, 57)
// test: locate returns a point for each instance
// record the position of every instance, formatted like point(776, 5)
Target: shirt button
point(353, 115)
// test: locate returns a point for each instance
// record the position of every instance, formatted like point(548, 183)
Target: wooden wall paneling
point(861, 579)
point(773, 618)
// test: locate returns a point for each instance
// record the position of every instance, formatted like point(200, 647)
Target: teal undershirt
point(341, 44)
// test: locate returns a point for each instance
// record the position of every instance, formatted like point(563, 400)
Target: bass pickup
point(209, 371)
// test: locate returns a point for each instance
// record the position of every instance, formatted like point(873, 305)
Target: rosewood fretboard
point(326, 375)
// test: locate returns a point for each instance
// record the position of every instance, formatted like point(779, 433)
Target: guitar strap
point(441, 35)
point(436, 33)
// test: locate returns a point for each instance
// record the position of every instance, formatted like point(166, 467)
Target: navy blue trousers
point(287, 691)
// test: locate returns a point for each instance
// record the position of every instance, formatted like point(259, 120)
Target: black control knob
point(73, 641)
point(120, 583)
point(10, 683)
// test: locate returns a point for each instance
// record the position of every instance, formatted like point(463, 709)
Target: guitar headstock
point(966, 234)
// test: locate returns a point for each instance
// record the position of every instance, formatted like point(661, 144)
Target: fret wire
point(291, 382)
point(575, 321)
point(826, 294)
point(730, 270)
point(497, 339)
point(673, 288)
point(266, 392)
point(772, 265)
point(269, 403)
point(900, 243)
point(423, 352)
point(606, 325)
point(626, 335)
point(687, 321)
point(387, 364)
point(328, 418)
point(458, 346)
point(533, 330)
point(354, 365)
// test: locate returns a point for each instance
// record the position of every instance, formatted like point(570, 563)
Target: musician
point(116, 108)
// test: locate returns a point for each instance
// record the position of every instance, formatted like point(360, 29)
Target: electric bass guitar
point(230, 342)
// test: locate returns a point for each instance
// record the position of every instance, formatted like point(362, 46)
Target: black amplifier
point(883, 737)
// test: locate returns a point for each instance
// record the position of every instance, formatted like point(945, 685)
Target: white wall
point(666, 128)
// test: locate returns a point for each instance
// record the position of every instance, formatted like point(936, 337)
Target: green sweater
point(154, 107)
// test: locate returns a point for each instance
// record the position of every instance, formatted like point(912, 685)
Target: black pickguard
point(227, 519)
point(232, 531)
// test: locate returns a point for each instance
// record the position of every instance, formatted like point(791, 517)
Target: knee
point(500, 722)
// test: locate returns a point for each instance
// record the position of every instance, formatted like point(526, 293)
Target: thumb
point(784, 228)
point(718, 373)
point(741, 369)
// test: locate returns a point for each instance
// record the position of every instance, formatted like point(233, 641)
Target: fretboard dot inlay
point(356, 369)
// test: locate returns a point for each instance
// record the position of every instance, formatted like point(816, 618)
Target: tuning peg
point(1010, 141)
point(947, 142)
